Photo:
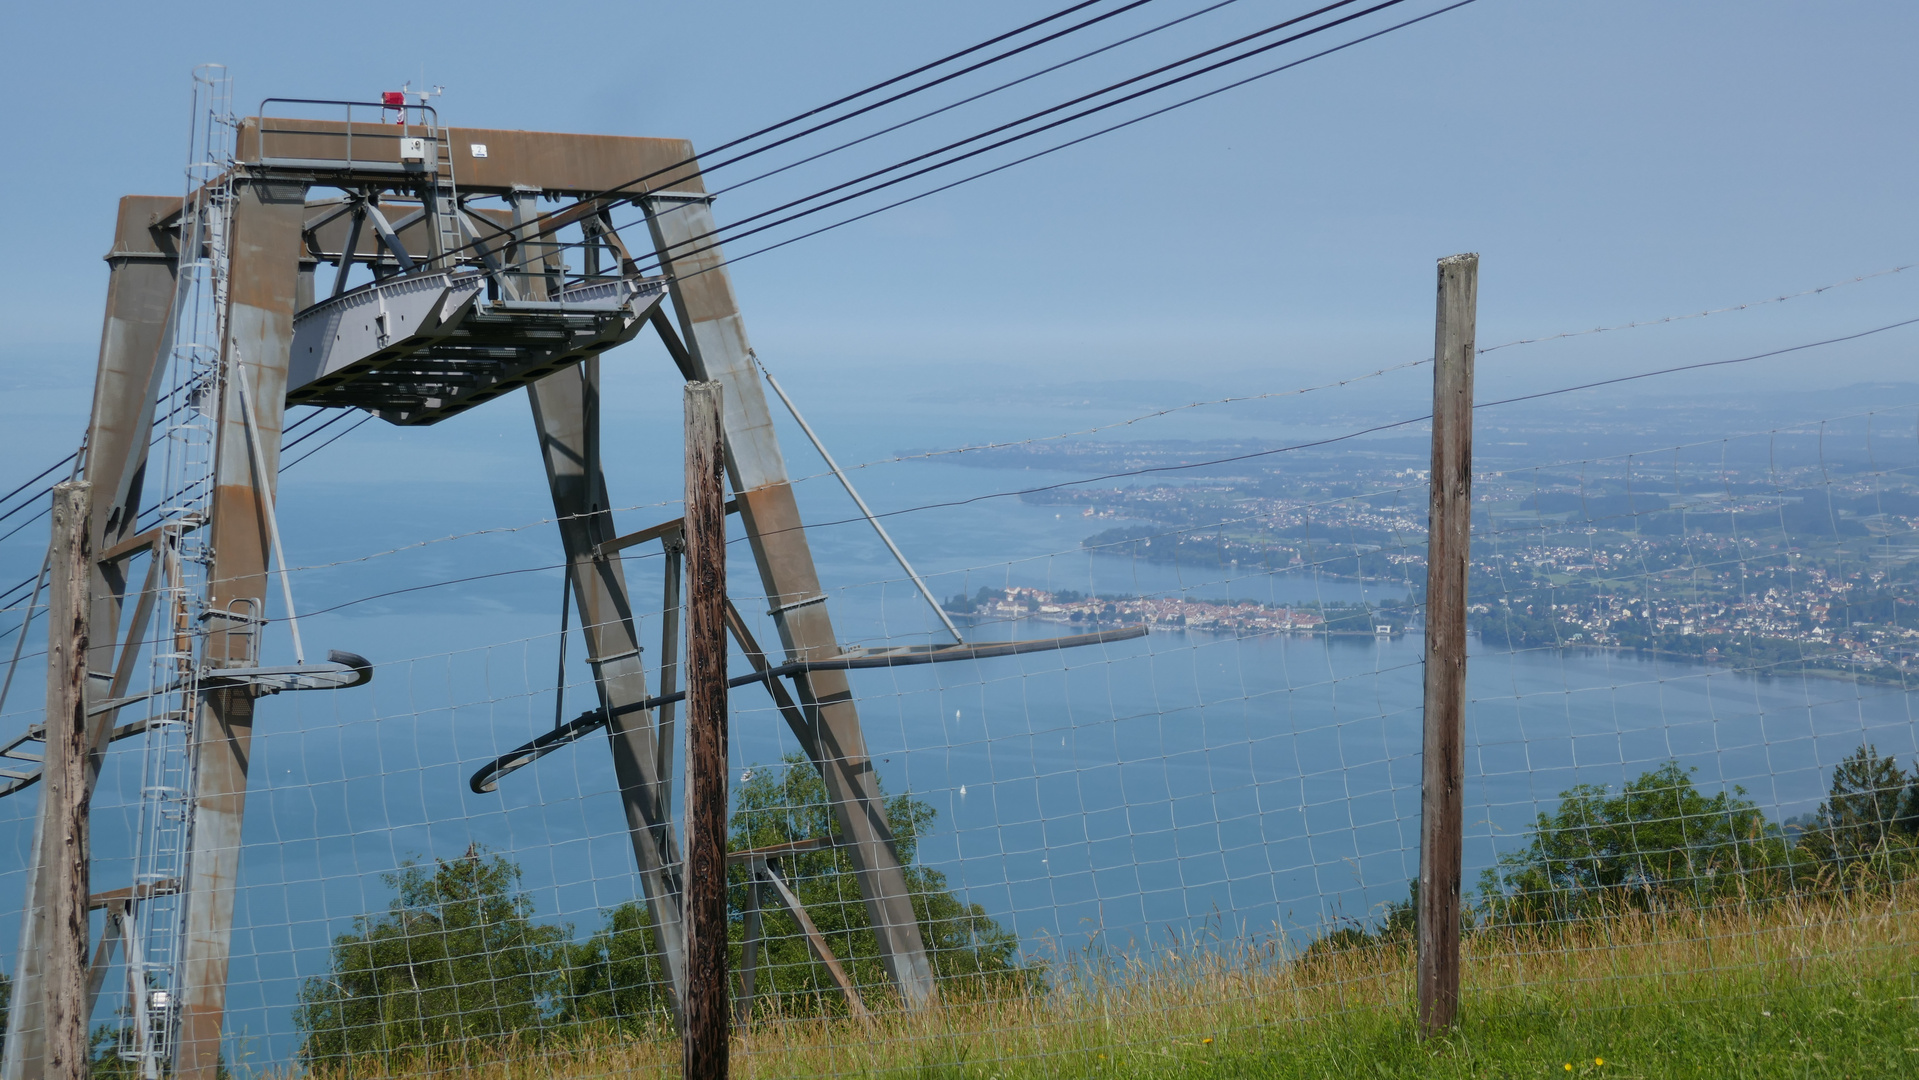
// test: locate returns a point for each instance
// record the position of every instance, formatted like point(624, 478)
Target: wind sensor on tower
point(462, 265)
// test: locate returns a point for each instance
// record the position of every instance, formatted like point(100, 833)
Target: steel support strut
point(715, 338)
point(566, 408)
point(263, 289)
point(142, 266)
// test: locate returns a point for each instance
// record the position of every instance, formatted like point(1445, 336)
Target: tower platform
point(417, 349)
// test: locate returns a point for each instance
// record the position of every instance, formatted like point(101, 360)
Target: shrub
point(1398, 928)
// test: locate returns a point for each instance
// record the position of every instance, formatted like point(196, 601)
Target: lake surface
point(1119, 795)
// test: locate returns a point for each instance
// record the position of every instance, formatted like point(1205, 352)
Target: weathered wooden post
point(1442, 767)
point(708, 1018)
point(65, 774)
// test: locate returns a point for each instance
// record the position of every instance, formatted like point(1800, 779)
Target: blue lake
point(1179, 783)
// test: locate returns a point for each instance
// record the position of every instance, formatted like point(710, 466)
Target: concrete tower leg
point(133, 346)
point(716, 337)
point(263, 284)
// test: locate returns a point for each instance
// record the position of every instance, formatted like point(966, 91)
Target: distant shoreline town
point(1762, 565)
point(1245, 617)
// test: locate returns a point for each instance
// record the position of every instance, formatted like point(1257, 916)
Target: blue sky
point(1611, 161)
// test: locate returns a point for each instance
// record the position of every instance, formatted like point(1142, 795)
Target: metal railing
point(429, 122)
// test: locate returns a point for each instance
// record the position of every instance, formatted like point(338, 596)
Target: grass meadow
point(1801, 987)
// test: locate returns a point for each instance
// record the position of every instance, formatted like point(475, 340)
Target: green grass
point(1868, 1030)
point(1802, 988)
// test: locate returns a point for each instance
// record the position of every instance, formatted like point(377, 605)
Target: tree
point(454, 964)
point(789, 802)
point(615, 979)
point(1862, 811)
point(1658, 843)
point(1908, 823)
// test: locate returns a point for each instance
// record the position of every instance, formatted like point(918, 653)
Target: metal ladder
point(442, 200)
point(448, 237)
point(157, 917)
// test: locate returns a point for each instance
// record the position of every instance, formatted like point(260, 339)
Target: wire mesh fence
point(1689, 719)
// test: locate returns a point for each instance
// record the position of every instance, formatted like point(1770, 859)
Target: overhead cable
point(41, 476)
point(48, 490)
point(1700, 314)
point(1051, 149)
point(1089, 54)
point(543, 225)
point(732, 227)
point(350, 430)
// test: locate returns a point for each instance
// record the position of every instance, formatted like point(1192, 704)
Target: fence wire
point(1689, 727)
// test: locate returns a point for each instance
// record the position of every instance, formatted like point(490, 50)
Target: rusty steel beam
point(566, 412)
point(612, 643)
point(263, 291)
point(715, 339)
point(133, 342)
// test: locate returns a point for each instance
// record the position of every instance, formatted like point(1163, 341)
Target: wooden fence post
point(1443, 760)
point(65, 772)
point(704, 1039)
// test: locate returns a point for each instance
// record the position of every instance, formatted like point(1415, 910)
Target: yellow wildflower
point(1599, 1061)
